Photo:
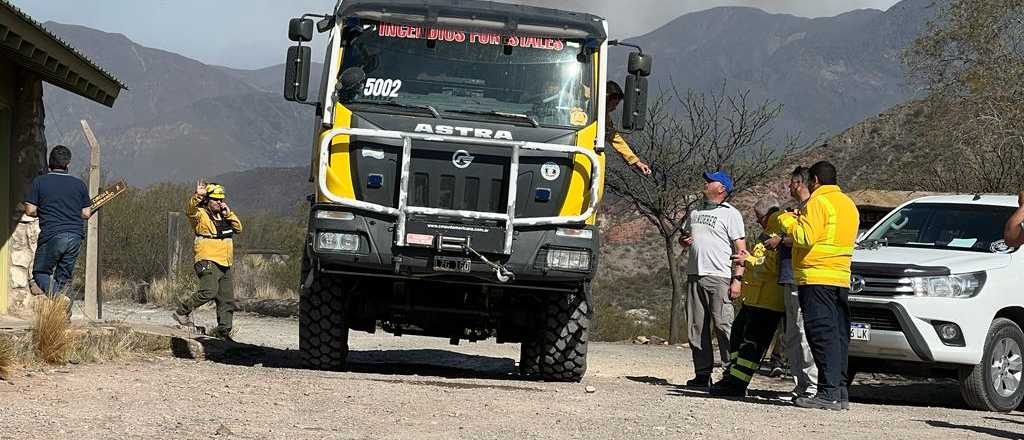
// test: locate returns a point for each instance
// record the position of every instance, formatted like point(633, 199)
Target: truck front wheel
point(323, 335)
point(995, 383)
point(562, 346)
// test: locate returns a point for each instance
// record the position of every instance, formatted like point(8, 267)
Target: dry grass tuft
point(52, 338)
point(106, 344)
point(118, 288)
point(7, 357)
point(259, 277)
point(169, 292)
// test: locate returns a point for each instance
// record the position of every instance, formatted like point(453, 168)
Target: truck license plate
point(860, 332)
point(452, 264)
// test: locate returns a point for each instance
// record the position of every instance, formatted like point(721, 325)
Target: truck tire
point(563, 343)
point(323, 335)
point(995, 383)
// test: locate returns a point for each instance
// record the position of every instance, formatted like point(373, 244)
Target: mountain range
point(182, 119)
point(829, 73)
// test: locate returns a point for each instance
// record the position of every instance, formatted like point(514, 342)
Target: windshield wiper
point(521, 116)
point(873, 244)
point(433, 111)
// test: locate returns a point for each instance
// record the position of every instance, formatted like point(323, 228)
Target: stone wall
point(28, 160)
point(23, 249)
point(28, 140)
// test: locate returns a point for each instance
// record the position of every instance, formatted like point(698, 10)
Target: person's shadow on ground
point(419, 362)
point(909, 392)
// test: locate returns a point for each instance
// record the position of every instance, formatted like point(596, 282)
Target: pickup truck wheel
point(563, 343)
point(995, 383)
point(323, 335)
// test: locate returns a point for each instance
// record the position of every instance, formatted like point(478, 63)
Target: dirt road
point(421, 388)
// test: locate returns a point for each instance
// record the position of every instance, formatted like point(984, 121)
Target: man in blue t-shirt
point(61, 201)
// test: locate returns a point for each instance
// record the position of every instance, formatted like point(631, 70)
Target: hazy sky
point(253, 33)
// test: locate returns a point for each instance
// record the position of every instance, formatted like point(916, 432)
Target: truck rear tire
point(562, 347)
point(995, 383)
point(323, 335)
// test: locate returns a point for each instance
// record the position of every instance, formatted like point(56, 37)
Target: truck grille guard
point(404, 210)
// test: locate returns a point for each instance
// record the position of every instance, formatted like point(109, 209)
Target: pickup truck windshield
point(949, 226)
point(514, 78)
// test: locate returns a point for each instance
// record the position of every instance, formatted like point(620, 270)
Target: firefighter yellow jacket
point(761, 276)
point(213, 233)
point(618, 143)
point(823, 236)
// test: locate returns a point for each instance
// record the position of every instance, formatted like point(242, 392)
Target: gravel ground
point(423, 388)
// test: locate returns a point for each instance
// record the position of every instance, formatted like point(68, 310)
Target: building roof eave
point(30, 45)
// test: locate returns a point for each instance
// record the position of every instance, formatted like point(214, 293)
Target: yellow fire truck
point(458, 164)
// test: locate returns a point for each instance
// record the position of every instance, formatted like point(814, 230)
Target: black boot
point(728, 387)
point(700, 381)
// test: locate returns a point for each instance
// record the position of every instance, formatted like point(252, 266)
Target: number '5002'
point(382, 87)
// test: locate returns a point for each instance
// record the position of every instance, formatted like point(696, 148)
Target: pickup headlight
point(337, 242)
point(953, 286)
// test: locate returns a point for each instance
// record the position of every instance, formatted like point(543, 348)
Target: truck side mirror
point(300, 30)
point(296, 73)
point(634, 104)
point(639, 64)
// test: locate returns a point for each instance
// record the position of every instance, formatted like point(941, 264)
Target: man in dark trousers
point(61, 201)
point(823, 234)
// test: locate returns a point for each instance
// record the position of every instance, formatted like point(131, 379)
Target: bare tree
point(971, 62)
point(708, 132)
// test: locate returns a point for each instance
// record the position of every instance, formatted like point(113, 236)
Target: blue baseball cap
point(720, 177)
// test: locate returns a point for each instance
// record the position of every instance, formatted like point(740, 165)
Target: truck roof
point(473, 11)
point(972, 199)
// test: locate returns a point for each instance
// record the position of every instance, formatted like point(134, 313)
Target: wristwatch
point(738, 278)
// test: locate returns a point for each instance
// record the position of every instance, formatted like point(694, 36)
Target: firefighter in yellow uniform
point(823, 235)
point(763, 305)
point(612, 136)
point(215, 225)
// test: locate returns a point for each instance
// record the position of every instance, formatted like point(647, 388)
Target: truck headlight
point(953, 286)
point(568, 259)
point(337, 242)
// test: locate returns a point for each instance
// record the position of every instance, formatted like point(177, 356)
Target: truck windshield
point(950, 226)
point(516, 78)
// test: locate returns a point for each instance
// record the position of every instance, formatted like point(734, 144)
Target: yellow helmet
point(215, 191)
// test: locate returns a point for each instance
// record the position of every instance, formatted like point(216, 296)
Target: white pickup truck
point(936, 292)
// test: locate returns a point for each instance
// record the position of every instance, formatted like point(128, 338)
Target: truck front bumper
point(378, 256)
point(905, 329)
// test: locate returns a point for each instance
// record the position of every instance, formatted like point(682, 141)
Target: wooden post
point(93, 294)
point(173, 247)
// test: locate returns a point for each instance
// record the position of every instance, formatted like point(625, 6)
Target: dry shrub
point(105, 344)
point(169, 292)
point(264, 277)
point(7, 357)
point(52, 338)
point(116, 287)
